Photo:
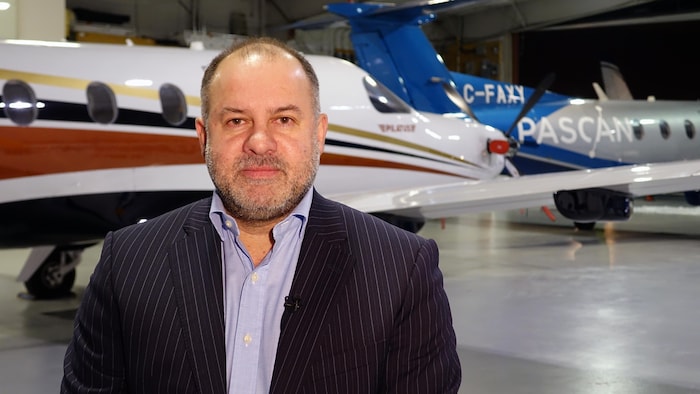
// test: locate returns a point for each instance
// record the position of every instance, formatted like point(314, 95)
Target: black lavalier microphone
point(292, 303)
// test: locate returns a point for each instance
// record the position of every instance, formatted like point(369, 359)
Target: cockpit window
point(19, 102)
point(102, 103)
point(173, 104)
point(383, 99)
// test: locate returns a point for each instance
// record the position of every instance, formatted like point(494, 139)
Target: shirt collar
point(219, 217)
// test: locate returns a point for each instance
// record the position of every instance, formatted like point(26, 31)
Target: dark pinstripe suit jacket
point(374, 317)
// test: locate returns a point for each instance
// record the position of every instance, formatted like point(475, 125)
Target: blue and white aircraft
point(552, 132)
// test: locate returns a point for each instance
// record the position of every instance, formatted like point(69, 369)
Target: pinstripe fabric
point(374, 316)
point(151, 320)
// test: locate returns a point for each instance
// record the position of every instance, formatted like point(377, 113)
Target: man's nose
point(261, 140)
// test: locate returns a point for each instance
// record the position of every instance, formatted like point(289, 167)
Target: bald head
point(257, 49)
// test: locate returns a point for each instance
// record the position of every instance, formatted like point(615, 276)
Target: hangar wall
point(33, 19)
point(657, 59)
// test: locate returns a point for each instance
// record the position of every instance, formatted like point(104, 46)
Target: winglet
point(600, 92)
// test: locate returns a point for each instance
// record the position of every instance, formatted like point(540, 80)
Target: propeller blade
point(457, 99)
point(534, 98)
point(531, 101)
point(511, 169)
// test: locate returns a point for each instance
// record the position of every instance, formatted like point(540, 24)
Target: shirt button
point(229, 224)
point(247, 339)
point(254, 278)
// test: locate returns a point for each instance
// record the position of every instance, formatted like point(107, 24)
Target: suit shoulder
point(381, 222)
point(195, 213)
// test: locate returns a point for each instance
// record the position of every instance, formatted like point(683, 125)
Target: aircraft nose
point(500, 147)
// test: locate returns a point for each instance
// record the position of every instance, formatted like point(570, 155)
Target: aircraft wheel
point(584, 226)
point(49, 281)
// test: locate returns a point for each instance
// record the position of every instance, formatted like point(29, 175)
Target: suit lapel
point(196, 265)
point(324, 262)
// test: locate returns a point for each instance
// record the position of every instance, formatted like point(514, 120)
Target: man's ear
point(322, 130)
point(201, 133)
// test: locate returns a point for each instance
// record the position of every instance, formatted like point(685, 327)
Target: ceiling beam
point(523, 15)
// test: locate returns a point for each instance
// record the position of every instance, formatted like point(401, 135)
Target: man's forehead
point(260, 53)
point(238, 67)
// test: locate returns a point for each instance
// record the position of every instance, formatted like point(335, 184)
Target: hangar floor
point(537, 308)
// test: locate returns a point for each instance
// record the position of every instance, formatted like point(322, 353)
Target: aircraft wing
point(527, 191)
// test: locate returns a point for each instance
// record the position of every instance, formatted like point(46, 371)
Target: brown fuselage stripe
point(29, 151)
point(344, 160)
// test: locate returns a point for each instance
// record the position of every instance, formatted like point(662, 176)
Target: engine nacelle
point(692, 197)
point(405, 222)
point(591, 205)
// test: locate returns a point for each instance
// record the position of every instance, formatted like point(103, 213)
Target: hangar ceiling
point(567, 37)
point(472, 21)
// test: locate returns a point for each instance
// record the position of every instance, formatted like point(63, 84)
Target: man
point(267, 286)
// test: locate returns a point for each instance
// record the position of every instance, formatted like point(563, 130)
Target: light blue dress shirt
point(254, 296)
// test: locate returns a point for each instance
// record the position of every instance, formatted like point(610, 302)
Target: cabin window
point(664, 129)
point(638, 129)
point(383, 99)
point(19, 102)
point(173, 104)
point(689, 129)
point(102, 103)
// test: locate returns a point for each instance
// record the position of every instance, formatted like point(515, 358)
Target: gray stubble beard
point(277, 207)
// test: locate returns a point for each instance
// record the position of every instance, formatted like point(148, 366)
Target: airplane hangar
point(539, 304)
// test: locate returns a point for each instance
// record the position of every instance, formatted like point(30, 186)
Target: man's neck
point(257, 238)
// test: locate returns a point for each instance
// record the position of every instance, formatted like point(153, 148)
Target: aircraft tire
point(47, 282)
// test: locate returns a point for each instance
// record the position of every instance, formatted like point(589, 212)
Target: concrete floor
point(538, 308)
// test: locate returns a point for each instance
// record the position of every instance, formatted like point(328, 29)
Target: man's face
point(263, 142)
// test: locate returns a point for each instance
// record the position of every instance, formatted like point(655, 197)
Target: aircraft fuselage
point(90, 143)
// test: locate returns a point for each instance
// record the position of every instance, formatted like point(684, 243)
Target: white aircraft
point(97, 137)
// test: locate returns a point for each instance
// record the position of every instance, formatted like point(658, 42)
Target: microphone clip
point(292, 303)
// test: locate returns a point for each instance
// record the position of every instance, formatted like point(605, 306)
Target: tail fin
point(390, 45)
point(614, 83)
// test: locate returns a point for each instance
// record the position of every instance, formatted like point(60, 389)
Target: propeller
point(532, 100)
point(541, 88)
point(513, 144)
point(506, 148)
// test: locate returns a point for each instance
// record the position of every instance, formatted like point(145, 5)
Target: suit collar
point(197, 217)
point(196, 264)
point(324, 263)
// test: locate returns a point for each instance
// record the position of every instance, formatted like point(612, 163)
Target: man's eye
point(285, 120)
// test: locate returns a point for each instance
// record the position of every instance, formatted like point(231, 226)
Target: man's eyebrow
point(233, 110)
point(287, 108)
